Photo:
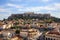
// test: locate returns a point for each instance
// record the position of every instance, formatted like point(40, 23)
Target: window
point(51, 38)
point(48, 38)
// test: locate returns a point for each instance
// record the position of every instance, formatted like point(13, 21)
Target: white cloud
point(51, 7)
point(4, 10)
point(45, 0)
point(57, 5)
point(38, 8)
point(14, 5)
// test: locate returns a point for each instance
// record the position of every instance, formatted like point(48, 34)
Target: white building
point(8, 33)
point(53, 35)
point(33, 34)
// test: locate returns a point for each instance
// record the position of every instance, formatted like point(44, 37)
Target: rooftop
point(54, 32)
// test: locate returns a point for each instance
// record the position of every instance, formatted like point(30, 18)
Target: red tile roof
point(54, 32)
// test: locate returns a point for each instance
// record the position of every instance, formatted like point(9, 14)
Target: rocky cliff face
point(33, 16)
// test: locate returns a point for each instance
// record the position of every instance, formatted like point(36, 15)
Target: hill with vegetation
point(32, 15)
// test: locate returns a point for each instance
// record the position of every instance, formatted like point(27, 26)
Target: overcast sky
point(8, 7)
